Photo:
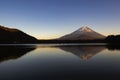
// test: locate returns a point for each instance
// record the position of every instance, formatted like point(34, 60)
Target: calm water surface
point(58, 61)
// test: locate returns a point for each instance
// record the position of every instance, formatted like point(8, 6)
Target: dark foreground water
point(59, 62)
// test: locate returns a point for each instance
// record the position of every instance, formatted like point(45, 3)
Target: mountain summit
point(84, 33)
point(85, 29)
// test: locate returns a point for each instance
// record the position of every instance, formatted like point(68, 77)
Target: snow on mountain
point(84, 33)
point(85, 29)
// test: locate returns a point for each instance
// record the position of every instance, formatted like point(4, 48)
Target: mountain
point(84, 33)
point(11, 35)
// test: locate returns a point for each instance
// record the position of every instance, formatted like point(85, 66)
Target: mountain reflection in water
point(84, 52)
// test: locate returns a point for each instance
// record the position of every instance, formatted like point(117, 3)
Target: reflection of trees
point(13, 52)
point(84, 52)
point(113, 47)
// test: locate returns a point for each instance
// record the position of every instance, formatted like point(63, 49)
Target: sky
point(49, 19)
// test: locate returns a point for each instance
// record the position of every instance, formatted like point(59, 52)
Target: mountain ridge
point(12, 35)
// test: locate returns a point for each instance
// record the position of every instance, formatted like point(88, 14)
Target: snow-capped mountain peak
point(85, 29)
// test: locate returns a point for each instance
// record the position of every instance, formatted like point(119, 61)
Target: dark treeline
point(113, 39)
point(70, 41)
point(113, 42)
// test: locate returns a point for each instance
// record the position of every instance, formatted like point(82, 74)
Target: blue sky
point(47, 19)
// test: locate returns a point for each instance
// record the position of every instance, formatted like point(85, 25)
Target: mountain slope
point(11, 35)
point(84, 33)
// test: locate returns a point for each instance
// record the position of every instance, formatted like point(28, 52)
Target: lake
point(59, 62)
